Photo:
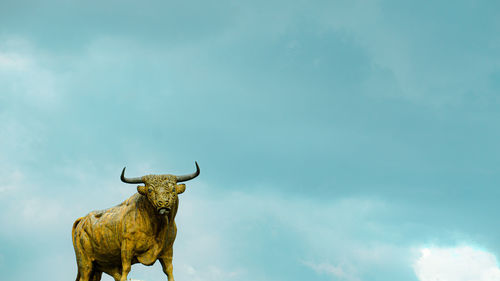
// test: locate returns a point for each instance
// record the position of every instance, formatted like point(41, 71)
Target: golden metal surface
point(139, 230)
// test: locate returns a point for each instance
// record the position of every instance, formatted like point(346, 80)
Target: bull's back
point(74, 229)
point(99, 233)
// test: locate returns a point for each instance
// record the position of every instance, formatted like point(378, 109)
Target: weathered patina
point(139, 230)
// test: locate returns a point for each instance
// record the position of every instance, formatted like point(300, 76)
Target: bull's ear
point(180, 188)
point(141, 189)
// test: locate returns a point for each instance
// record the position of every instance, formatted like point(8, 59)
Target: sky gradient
point(337, 140)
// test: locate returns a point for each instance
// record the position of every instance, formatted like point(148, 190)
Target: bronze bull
point(141, 229)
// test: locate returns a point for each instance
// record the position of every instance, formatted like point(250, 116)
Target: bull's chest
point(148, 251)
point(149, 247)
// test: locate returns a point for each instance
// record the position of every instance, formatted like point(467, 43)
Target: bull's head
point(161, 190)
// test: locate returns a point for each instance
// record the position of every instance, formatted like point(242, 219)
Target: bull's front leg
point(126, 254)
point(166, 264)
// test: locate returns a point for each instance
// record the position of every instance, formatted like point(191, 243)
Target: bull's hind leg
point(83, 261)
point(84, 269)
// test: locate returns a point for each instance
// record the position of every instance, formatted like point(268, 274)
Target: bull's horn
point(129, 180)
point(190, 176)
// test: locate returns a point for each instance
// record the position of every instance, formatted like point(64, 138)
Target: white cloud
point(463, 263)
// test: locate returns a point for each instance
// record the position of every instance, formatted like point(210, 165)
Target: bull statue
point(139, 230)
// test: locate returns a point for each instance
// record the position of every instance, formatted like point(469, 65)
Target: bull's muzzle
point(164, 211)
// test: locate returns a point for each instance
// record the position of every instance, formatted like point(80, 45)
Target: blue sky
point(337, 140)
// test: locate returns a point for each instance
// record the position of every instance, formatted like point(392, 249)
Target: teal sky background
point(336, 139)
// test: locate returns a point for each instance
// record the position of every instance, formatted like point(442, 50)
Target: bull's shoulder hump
point(131, 201)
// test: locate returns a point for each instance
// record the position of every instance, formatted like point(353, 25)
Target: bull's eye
point(150, 190)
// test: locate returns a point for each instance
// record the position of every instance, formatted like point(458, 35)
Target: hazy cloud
point(332, 137)
point(26, 76)
point(337, 272)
